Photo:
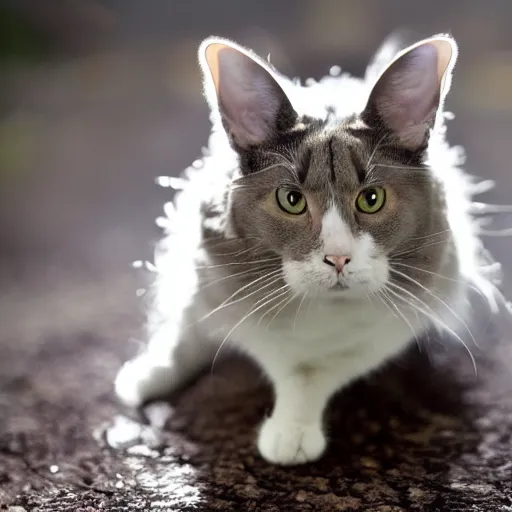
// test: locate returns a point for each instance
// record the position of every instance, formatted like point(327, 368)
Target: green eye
point(371, 200)
point(291, 201)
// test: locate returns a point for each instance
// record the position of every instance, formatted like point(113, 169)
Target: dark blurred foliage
point(19, 41)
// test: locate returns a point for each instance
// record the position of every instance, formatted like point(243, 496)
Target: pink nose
point(337, 261)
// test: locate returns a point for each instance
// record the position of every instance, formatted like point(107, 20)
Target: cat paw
point(141, 380)
point(290, 444)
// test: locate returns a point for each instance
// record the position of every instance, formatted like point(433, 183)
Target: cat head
point(339, 199)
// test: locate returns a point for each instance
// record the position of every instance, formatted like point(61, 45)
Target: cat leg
point(171, 359)
point(294, 433)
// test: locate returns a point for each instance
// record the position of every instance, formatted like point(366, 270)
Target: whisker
point(255, 173)
point(255, 271)
point(431, 235)
point(237, 253)
point(239, 263)
point(311, 300)
point(435, 319)
point(281, 308)
point(377, 294)
point(428, 342)
point(416, 249)
point(473, 287)
point(245, 317)
point(431, 293)
point(221, 239)
point(404, 318)
point(226, 303)
point(298, 309)
point(287, 161)
point(233, 188)
point(285, 300)
point(369, 163)
point(286, 164)
point(284, 287)
point(403, 167)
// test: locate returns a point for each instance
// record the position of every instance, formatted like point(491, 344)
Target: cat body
point(327, 227)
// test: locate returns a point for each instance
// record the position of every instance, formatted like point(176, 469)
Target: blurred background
point(99, 97)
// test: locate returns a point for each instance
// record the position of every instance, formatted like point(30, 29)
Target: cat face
point(340, 200)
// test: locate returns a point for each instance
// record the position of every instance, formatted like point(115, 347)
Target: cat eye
point(371, 200)
point(291, 201)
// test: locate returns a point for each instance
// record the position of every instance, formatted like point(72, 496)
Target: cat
point(326, 228)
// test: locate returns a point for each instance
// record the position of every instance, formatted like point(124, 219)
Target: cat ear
point(253, 106)
point(411, 90)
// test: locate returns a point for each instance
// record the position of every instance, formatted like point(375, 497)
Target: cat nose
point(337, 261)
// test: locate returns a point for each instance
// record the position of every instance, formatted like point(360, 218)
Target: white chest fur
point(323, 332)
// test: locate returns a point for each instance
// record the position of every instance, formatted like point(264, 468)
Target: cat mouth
point(338, 287)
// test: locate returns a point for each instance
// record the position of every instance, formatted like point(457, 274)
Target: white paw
point(290, 443)
point(140, 380)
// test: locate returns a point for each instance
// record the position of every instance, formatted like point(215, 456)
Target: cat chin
point(347, 291)
point(354, 291)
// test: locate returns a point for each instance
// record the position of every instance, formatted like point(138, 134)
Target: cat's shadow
point(406, 425)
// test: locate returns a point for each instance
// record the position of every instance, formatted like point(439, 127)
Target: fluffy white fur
point(312, 347)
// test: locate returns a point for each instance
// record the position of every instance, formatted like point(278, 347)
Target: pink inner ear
point(407, 95)
point(248, 96)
